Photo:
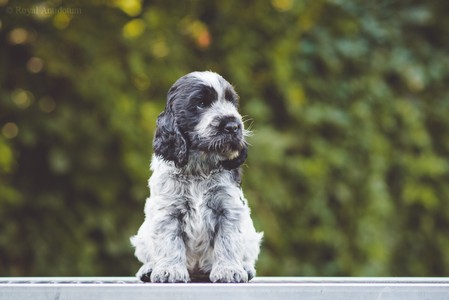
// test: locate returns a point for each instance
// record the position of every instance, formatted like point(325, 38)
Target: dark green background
point(348, 170)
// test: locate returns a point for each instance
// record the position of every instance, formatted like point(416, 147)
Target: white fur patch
point(212, 79)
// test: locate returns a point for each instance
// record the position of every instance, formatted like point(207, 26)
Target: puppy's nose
point(232, 127)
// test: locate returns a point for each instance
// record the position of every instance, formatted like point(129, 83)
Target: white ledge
point(284, 288)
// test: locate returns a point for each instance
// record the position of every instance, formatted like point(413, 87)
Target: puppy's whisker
point(247, 132)
point(250, 125)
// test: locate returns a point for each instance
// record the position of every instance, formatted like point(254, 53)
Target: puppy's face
point(205, 111)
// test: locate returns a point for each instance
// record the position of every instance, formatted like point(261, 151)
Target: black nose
point(232, 127)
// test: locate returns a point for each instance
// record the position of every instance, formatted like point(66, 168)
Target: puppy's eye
point(203, 104)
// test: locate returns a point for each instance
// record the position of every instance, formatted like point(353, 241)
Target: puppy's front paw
point(225, 274)
point(250, 270)
point(171, 274)
point(144, 273)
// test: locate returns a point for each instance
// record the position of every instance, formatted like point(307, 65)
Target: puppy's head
point(201, 116)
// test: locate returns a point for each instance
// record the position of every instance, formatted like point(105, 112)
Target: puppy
point(197, 221)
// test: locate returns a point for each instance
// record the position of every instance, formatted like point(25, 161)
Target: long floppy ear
point(236, 162)
point(169, 142)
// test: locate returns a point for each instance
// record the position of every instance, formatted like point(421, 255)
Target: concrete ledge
point(284, 288)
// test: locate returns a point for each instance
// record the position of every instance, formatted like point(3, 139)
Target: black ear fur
point(236, 162)
point(169, 142)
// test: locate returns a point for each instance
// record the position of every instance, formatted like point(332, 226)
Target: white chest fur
point(197, 205)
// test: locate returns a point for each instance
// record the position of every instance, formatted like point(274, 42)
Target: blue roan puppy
point(197, 221)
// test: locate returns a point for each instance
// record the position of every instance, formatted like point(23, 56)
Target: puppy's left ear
point(236, 162)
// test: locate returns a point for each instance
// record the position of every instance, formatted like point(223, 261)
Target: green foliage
point(348, 100)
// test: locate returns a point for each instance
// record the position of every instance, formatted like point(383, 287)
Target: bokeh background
point(348, 170)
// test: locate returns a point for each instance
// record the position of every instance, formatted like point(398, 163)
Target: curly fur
point(197, 221)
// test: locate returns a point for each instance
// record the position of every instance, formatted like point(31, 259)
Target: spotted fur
point(197, 221)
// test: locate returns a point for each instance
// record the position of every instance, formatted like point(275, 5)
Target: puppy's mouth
point(227, 146)
point(233, 155)
point(224, 145)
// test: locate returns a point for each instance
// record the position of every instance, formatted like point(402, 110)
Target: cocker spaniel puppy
point(197, 221)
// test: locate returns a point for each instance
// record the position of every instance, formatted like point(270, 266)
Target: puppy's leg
point(160, 246)
point(233, 251)
point(252, 242)
point(236, 243)
point(169, 256)
point(224, 214)
point(227, 265)
point(143, 252)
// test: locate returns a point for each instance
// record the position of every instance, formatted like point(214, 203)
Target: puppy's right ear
point(169, 143)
